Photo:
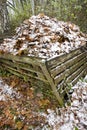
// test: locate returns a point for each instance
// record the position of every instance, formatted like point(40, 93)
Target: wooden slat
point(67, 64)
point(76, 73)
point(23, 59)
point(83, 73)
point(66, 68)
point(69, 71)
point(52, 63)
point(26, 69)
point(63, 87)
point(35, 68)
point(51, 82)
point(21, 66)
point(23, 73)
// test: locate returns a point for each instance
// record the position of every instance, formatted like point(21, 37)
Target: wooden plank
point(23, 59)
point(35, 68)
point(51, 82)
point(69, 71)
point(83, 73)
point(16, 73)
point(67, 64)
point(61, 85)
point(52, 63)
point(76, 73)
point(23, 73)
point(21, 66)
point(25, 69)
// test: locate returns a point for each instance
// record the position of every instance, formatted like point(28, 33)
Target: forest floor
point(21, 108)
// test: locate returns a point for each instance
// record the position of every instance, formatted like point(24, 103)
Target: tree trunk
point(4, 19)
point(32, 7)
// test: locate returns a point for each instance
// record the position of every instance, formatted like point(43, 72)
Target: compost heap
point(44, 37)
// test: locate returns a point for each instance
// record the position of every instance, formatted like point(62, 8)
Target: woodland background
point(13, 12)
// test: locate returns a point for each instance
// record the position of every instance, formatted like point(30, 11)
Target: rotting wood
point(23, 73)
point(66, 69)
point(67, 64)
point(83, 73)
point(72, 68)
point(51, 82)
point(29, 60)
point(76, 73)
point(53, 62)
point(67, 73)
point(61, 86)
point(20, 66)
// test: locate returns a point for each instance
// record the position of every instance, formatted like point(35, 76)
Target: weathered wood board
point(57, 72)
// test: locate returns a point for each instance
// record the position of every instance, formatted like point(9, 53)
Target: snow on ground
point(7, 92)
point(72, 117)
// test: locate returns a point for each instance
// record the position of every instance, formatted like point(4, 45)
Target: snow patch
point(70, 117)
point(7, 91)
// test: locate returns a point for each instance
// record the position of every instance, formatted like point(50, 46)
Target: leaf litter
point(7, 91)
point(70, 117)
point(26, 110)
point(45, 37)
point(20, 105)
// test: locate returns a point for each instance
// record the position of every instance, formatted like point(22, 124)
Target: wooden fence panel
point(57, 72)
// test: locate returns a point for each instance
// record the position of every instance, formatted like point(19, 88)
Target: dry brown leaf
point(19, 44)
point(30, 93)
point(21, 52)
point(2, 52)
point(19, 125)
point(44, 102)
point(13, 83)
point(25, 127)
point(41, 15)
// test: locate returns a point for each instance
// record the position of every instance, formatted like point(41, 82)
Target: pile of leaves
point(44, 37)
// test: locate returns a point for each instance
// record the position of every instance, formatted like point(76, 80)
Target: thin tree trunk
point(32, 6)
point(42, 3)
point(4, 19)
